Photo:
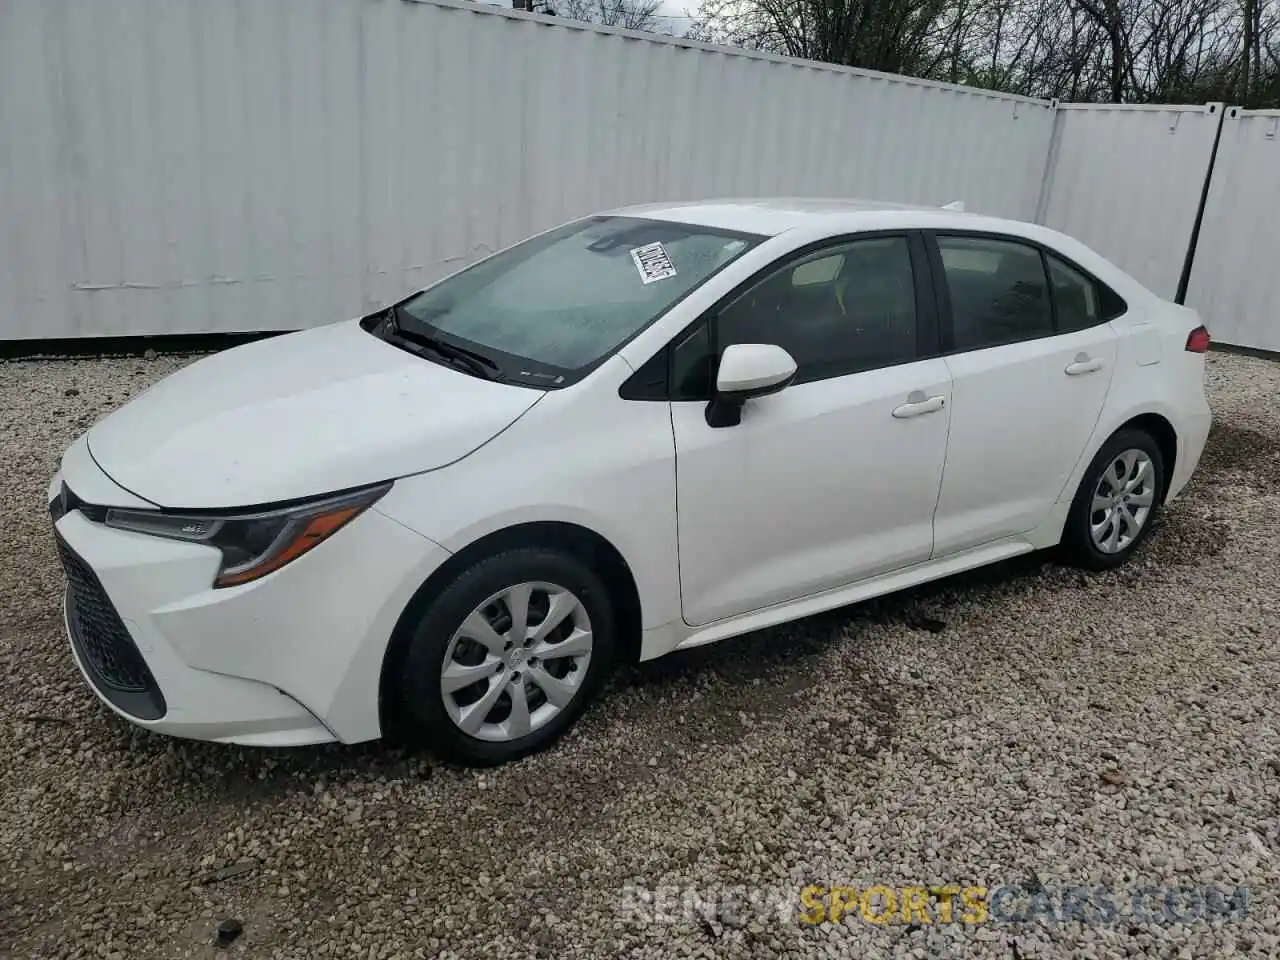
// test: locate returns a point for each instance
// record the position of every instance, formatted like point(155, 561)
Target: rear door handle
point(1082, 364)
point(918, 405)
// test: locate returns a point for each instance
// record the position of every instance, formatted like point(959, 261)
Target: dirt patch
point(755, 679)
point(1237, 450)
point(1182, 537)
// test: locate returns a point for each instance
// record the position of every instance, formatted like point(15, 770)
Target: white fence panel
point(1235, 279)
point(181, 166)
point(1126, 180)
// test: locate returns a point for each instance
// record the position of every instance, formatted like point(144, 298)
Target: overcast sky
point(676, 15)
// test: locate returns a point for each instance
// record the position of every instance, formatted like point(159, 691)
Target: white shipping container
point(1235, 282)
point(1126, 180)
point(184, 166)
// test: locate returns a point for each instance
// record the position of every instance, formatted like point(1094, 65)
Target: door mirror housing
point(747, 370)
point(753, 370)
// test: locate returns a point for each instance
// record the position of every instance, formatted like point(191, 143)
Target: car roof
point(770, 216)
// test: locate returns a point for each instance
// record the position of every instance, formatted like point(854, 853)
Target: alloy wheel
point(1122, 501)
point(517, 660)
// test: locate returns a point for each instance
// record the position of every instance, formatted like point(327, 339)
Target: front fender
point(581, 456)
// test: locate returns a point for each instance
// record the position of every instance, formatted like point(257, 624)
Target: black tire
point(419, 704)
point(1077, 542)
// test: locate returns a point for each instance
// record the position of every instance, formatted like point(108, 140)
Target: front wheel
point(506, 657)
point(1116, 503)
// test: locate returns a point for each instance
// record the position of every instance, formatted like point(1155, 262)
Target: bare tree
point(1085, 50)
point(629, 14)
point(899, 36)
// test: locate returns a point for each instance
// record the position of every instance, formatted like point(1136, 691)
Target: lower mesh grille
point(102, 642)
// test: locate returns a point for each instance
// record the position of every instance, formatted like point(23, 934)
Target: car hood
point(297, 415)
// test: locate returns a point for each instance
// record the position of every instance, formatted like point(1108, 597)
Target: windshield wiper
point(477, 363)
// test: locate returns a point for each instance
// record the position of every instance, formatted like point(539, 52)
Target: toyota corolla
point(638, 432)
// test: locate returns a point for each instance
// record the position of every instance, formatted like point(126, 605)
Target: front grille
point(103, 644)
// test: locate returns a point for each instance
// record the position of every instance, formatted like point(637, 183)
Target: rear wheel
point(1116, 503)
point(506, 657)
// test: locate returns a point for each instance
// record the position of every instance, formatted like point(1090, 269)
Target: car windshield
point(547, 310)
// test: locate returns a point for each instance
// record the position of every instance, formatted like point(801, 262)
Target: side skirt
point(664, 639)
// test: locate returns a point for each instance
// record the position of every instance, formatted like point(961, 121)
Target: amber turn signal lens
point(298, 540)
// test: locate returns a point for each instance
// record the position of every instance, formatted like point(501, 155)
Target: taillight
point(1198, 340)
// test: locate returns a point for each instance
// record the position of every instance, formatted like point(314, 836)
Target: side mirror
point(747, 370)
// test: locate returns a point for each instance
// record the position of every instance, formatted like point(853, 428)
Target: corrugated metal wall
point(192, 166)
point(184, 166)
point(1126, 180)
point(1235, 283)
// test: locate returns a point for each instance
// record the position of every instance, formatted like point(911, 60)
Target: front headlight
point(254, 544)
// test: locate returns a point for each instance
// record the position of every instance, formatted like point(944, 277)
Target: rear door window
point(998, 291)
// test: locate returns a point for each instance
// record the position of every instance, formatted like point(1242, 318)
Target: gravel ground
point(1022, 725)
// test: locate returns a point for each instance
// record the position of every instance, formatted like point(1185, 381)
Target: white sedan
point(635, 433)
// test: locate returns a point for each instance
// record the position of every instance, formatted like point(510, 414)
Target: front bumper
point(294, 658)
point(198, 705)
point(102, 645)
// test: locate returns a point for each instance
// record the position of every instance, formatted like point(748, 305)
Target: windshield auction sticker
point(653, 263)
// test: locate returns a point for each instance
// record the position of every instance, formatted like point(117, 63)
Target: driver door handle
point(918, 405)
point(1082, 364)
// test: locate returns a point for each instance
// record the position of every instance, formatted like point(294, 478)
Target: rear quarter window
point(1075, 295)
